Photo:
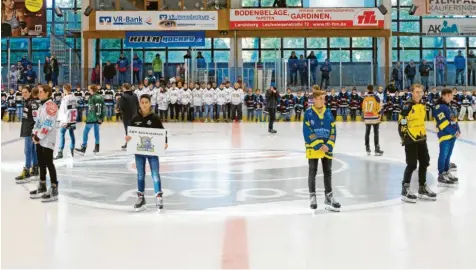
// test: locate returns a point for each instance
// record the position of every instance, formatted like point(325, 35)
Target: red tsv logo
point(368, 17)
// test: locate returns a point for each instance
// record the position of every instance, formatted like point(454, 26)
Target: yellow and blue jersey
point(319, 129)
point(446, 121)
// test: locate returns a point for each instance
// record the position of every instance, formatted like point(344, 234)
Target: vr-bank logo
point(130, 20)
point(105, 20)
point(163, 17)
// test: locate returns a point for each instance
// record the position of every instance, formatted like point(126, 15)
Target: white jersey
point(209, 96)
point(163, 100)
point(186, 97)
point(223, 96)
point(197, 96)
point(45, 128)
point(174, 95)
point(68, 110)
point(153, 96)
point(229, 90)
point(236, 96)
point(380, 96)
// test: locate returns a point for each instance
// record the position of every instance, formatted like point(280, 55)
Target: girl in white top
point(185, 100)
point(153, 96)
point(174, 99)
point(222, 99)
point(163, 103)
point(236, 102)
point(197, 101)
point(209, 99)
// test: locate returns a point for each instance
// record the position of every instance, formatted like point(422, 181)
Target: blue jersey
point(446, 121)
point(318, 129)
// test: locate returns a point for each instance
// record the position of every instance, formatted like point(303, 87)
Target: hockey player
point(19, 103)
point(209, 100)
point(372, 116)
point(80, 99)
point(448, 132)
point(87, 95)
point(197, 101)
point(44, 138)
point(109, 101)
point(146, 118)
point(283, 109)
point(411, 127)
point(455, 103)
point(117, 98)
point(290, 103)
point(319, 131)
point(186, 100)
point(27, 123)
point(178, 110)
point(57, 96)
point(250, 103)
point(301, 104)
point(388, 108)
point(4, 104)
point(425, 101)
point(354, 101)
point(332, 102)
point(153, 96)
point(174, 106)
point(236, 98)
point(67, 115)
point(11, 106)
point(222, 99)
point(163, 100)
point(466, 106)
point(433, 98)
point(228, 89)
point(343, 103)
point(95, 117)
point(259, 101)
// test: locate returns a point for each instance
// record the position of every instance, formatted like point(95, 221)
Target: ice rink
point(237, 197)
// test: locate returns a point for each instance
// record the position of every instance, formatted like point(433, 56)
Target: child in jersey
point(11, 106)
point(259, 101)
point(163, 104)
point(19, 103)
point(197, 101)
point(209, 100)
point(174, 99)
point(109, 101)
point(186, 100)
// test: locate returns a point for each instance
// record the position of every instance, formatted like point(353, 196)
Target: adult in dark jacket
point(47, 70)
point(55, 70)
point(326, 70)
point(109, 72)
point(128, 106)
point(397, 76)
point(410, 72)
point(303, 70)
point(27, 123)
point(313, 66)
point(30, 75)
point(272, 97)
point(424, 70)
point(293, 63)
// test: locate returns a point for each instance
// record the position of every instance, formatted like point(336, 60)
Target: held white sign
point(156, 20)
point(146, 141)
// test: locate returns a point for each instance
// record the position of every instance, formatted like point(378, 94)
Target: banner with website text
point(309, 18)
point(449, 27)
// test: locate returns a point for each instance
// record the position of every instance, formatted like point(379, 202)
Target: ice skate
point(378, 151)
point(96, 149)
point(24, 177)
point(367, 149)
point(444, 180)
point(331, 203)
point(313, 201)
point(159, 202)
point(407, 195)
point(452, 178)
point(272, 131)
point(124, 147)
point(59, 155)
point(39, 191)
point(81, 150)
point(453, 166)
point(51, 195)
point(35, 172)
point(140, 204)
point(425, 193)
point(72, 152)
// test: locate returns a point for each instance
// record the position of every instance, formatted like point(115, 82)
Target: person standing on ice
point(146, 118)
point(319, 131)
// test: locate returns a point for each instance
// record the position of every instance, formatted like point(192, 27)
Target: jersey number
point(98, 108)
point(369, 105)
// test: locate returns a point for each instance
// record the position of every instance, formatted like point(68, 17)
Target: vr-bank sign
point(449, 27)
point(165, 39)
point(451, 7)
point(157, 20)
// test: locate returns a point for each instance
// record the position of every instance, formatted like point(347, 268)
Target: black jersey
point(18, 98)
point(80, 98)
point(108, 96)
point(57, 96)
point(87, 95)
point(11, 103)
point(4, 100)
point(354, 101)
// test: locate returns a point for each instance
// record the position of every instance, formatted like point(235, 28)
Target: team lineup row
point(39, 128)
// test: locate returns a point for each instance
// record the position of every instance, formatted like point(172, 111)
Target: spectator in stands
point(188, 55)
point(279, 3)
point(24, 61)
point(471, 68)
point(21, 70)
point(157, 66)
point(96, 75)
point(199, 55)
point(47, 70)
point(410, 72)
point(122, 64)
point(30, 75)
point(397, 76)
point(54, 69)
point(14, 76)
point(150, 78)
point(326, 70)
point(424, 69)
point(293, 66)
point(109, 72)
point(136, 68)
point(460, 64)
point(313, 66)
point(391, 88)
point(303, 70)
point(181, 70)
point(440, 61)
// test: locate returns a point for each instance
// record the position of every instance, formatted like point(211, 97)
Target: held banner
point(23, 18)
point(451, 7)
point(156, 20)
point(146, 141)
point(449, 27)
point(164, 39)
point(309, 18)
